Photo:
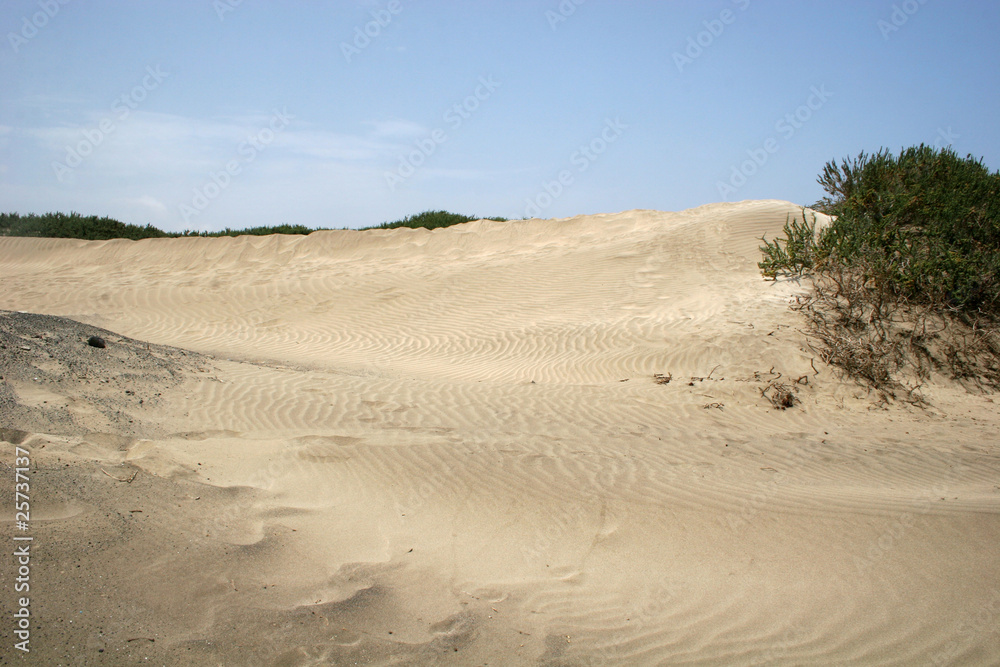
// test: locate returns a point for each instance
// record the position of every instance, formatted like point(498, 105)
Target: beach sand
point(448, 447)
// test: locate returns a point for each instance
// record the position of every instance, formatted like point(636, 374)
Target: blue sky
point(203, 115)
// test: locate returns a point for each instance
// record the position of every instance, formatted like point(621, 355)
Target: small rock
point(96, 341)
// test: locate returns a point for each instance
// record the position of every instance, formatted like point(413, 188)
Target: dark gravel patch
point(112, 388)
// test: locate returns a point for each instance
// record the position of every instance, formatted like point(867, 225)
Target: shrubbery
point(907, 277)
point(73, 226)
point(258, 231)
point(432, 220)
point(92, 228)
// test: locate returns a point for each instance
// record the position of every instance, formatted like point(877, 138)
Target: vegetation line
point(93, 228)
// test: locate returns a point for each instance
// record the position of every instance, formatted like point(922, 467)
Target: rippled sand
point(448, 447)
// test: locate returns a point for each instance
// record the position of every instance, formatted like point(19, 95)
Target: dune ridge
point(447, 447)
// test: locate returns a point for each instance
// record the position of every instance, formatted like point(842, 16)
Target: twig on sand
point(782, 396)
point(118, 479)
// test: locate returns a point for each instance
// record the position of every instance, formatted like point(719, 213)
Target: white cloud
point(146, 143)
point(144, 167)
point(335, 146)
point(396, 128)
point(460, 174)
point(149, 202)
point(50, 106)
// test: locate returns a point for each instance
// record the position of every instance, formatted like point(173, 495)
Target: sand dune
point(447, 447)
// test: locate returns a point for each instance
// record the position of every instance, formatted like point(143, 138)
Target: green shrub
point(73, 226)
point(432, 220)
point(261, 231)
point(92, 228)
point(907, 276)
point(76, 226)
point(793, 254)
point(927, 220)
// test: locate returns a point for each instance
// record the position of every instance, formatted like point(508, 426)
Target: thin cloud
point(152, 203)
point(396, 128)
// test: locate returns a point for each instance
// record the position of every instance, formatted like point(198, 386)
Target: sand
point(448, 447)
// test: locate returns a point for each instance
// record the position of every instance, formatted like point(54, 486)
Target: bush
point(907, 277)
point(927, 221)
point(798, 252)
point(73, 226)
point(432, 220)
point(260, 231)
point(92, 228)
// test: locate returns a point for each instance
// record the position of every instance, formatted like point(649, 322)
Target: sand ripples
point(455, 436)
